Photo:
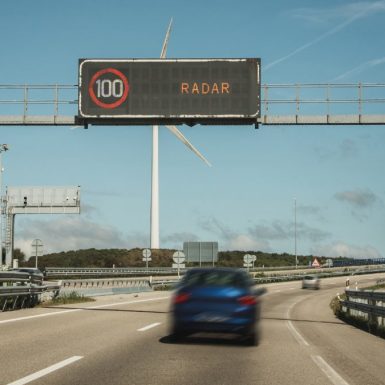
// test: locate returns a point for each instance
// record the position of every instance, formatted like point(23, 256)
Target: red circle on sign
point(120, 100)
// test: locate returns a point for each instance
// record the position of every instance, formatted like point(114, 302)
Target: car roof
point(33, 269)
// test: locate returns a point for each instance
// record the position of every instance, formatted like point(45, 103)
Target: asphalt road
point(123, 340)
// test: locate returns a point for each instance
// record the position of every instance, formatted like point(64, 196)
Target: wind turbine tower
point(155, 161)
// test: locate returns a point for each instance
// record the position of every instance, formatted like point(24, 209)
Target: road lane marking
point(83, 309)
point(44, 372)
point(296, 334)
point(333, 376)
point(148, 327)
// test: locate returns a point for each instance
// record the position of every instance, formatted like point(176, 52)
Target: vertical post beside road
point(146, 257)
point(3, 147)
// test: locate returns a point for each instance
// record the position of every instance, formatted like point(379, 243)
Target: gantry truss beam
point(281, 104)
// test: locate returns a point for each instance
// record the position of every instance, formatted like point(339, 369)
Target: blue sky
point(246, 200)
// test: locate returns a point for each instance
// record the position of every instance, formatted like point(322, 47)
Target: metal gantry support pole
point(10, 236)
point(3, 148)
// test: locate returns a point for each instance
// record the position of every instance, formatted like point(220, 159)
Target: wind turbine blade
point(184, 140)
point(165, 43)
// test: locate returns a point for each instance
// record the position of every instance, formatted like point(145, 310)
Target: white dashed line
point(44, 372)
point(333, 376)
point(149, 327)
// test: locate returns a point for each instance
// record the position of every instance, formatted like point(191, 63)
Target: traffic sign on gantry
point(169, 91)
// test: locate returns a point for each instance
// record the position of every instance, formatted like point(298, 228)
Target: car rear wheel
point(177, 334)
point(252, 339)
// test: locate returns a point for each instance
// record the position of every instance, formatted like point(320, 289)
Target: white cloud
point(262, 237)
point(342, 249)
point(73, 233)
point(177, 239)
point(357, 198)
point(245, 242)
point(278, 230)
point(232, 240)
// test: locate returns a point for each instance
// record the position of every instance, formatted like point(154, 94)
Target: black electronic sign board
point(169, 91)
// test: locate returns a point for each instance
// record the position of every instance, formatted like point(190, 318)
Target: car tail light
point(247, 300)
point(181, 298)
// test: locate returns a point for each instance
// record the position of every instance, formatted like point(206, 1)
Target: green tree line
point(160, 258)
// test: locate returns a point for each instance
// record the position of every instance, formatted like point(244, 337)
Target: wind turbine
point(155, 161)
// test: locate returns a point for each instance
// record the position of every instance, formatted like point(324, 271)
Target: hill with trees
point(160, 258)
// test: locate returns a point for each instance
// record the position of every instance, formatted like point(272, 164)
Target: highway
point(123, 340)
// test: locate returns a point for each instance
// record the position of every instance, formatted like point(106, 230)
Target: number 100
point(107, 88)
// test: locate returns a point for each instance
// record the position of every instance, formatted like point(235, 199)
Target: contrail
point(362, 67)
point(325, 35)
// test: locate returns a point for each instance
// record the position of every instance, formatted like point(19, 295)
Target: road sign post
point(248, 261)
point(178, 257)
point(146, 257)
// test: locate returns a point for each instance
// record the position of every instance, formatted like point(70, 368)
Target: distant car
point(219, 300)
point(311, 282)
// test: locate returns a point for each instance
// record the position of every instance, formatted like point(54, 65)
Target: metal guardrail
point(105, 271)
point(51, 272)
point(19, 290)
point(110, 286)
point(369, 305)
point(18, 276)
point(360, 103)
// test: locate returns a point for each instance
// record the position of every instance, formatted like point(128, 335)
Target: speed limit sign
point(108, 88)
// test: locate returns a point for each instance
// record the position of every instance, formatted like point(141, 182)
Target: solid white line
point(333, 376)
point(83, 309)
point(296, 334)
point(149, 327)
point(44, 372)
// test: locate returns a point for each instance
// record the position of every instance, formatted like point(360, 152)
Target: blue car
point(219, 300)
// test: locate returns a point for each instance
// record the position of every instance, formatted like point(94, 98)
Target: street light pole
point(37, 246)
point(3, 147)
point(295, 232)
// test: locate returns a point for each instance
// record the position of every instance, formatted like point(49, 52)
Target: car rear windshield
point(215, 278)
point(309, 277)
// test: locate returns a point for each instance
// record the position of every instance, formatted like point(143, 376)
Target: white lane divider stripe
point(82, 309)
point(296, 334)
point(333, 376)
point(149, 327)
point(44, 372)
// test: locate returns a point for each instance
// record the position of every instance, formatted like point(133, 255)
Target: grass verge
point(66, 299)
